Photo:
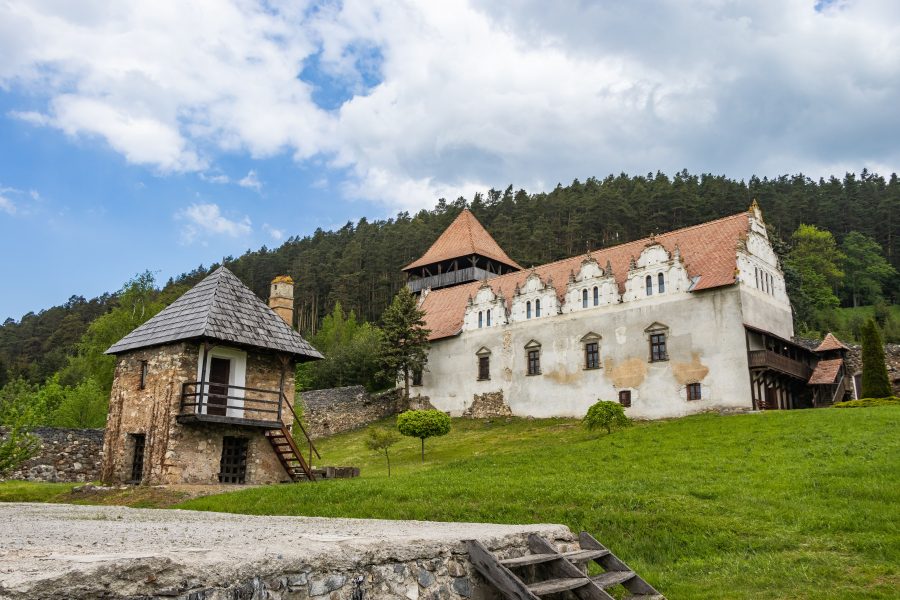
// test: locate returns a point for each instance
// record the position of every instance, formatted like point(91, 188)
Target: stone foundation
point(336, 410)
point(487, 405)
point(66, 455)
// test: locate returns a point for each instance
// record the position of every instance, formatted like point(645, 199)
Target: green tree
point(875, 382)
point(816, 262)
point(423, 424)
point(380, 441)
point(83, 406)
point(16, 444)
point(607, 415)
point(866, 270)
point(405, 343)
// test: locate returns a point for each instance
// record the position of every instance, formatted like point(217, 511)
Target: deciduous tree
point(423, 424)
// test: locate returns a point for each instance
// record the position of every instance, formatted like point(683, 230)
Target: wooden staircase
point(547, 571)
point(289, 455)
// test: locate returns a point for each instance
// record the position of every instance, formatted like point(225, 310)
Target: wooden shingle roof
point(464, 237)
point(709, 251)
point(219, 308)
point(830, 343)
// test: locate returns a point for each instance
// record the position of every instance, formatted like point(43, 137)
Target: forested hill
point(359, 264)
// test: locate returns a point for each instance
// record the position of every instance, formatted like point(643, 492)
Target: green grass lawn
point(799, 504)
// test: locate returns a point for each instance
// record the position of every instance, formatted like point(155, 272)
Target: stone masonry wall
point(891, 358)
point(489, 404)
point(334, 410)
point(66, 455)
point(175, 452)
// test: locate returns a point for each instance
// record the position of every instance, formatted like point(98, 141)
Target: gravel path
point(47, 547)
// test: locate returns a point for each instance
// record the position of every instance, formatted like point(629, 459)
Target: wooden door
point(771, 399)
point(219, 374)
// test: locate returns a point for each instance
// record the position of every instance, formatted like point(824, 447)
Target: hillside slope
point(800, 504)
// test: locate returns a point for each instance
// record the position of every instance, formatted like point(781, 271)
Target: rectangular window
point(233, 466)
point(137, 461)
point(480, 319)
point(592, 355)
point(693, 391)
point(658, 347)
point(484, 368)
point(417, 377)
point(596, 296)
point(625, 398)
point(534, 362)
point(489, 318)
point(143, 383)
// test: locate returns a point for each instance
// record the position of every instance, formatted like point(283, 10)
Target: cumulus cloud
point(251, 181)
point(7, 205)
point(276, 234)
point(443, 98)
point(207, 220)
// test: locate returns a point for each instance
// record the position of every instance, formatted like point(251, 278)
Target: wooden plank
point(636, 585)
point(580, 556)
point(554, 586)
point(612, 578)
point(528, 559)
point(498, 575)
point(563, 569)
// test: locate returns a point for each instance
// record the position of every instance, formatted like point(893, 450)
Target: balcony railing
point(219, 403)
point(767, 359)
point(449, 278)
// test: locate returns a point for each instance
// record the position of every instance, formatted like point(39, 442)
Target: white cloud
point(251, 181)
point(207, 220)
point(469, 94)
point(276, 234)
point(7, 205)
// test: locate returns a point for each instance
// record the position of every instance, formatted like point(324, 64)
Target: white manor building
point(682, 322)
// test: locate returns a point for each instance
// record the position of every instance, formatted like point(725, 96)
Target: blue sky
point(158, 135)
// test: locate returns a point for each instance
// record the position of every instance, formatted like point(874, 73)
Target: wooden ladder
point(554, 572)
point(287, 452)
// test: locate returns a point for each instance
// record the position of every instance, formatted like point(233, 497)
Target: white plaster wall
point(706, 336)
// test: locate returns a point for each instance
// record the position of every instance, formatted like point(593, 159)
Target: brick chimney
point(281, 298)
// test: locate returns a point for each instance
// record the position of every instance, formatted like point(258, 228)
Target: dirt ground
point(145, 496)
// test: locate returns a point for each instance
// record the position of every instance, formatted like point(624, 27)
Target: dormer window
point(662, 283)
point(596, 296)
point(480, 319)
point(528, 309)
point(488, 318)
point(584, 298)
point(537, 308)
point(649, 285)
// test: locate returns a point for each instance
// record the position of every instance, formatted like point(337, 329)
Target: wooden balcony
point(766, 359)
point(230, 405)
point(449, 278)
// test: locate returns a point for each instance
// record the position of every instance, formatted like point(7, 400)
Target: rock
point(322, 586)
point(462, 586)
point(455, 569)
point(425, 578)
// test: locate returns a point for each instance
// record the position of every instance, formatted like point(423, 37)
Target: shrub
point(867, 402)
point(423, 424)
point(604, 414)
point(381, 440)
point(875, 382)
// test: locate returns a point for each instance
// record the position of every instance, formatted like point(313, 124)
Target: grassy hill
point(801, 504)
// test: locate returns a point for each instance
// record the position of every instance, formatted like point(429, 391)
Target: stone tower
point(281, 298)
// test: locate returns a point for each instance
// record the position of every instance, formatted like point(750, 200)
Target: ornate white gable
point(535, 299)
point(591, 287)
point(486, 309)
point(655, 272)
point(757, 263)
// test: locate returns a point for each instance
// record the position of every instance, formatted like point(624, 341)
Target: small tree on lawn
point(423, 424)
point(604, 414)
point(381, 440)
point(875, 382)
point(405, 342)
point(16, 444)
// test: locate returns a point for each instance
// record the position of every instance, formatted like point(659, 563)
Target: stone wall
point(334, 410)
point(66, 455)
point(487, 405)
point(176, 452)
point(891, 358)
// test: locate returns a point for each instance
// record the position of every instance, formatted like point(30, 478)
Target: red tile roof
point(830, 343)
point(464, 237)
point(826, 372)
point(709, 250)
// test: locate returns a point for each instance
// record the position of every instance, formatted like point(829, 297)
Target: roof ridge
point(468, 214)
point(212, 300)
point(593, 252)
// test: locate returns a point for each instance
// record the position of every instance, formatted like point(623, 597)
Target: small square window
point(694, 391)
point(534, 362)
point(625, 398)
point(143, 382)
point(417, 377)
point(592, 355)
